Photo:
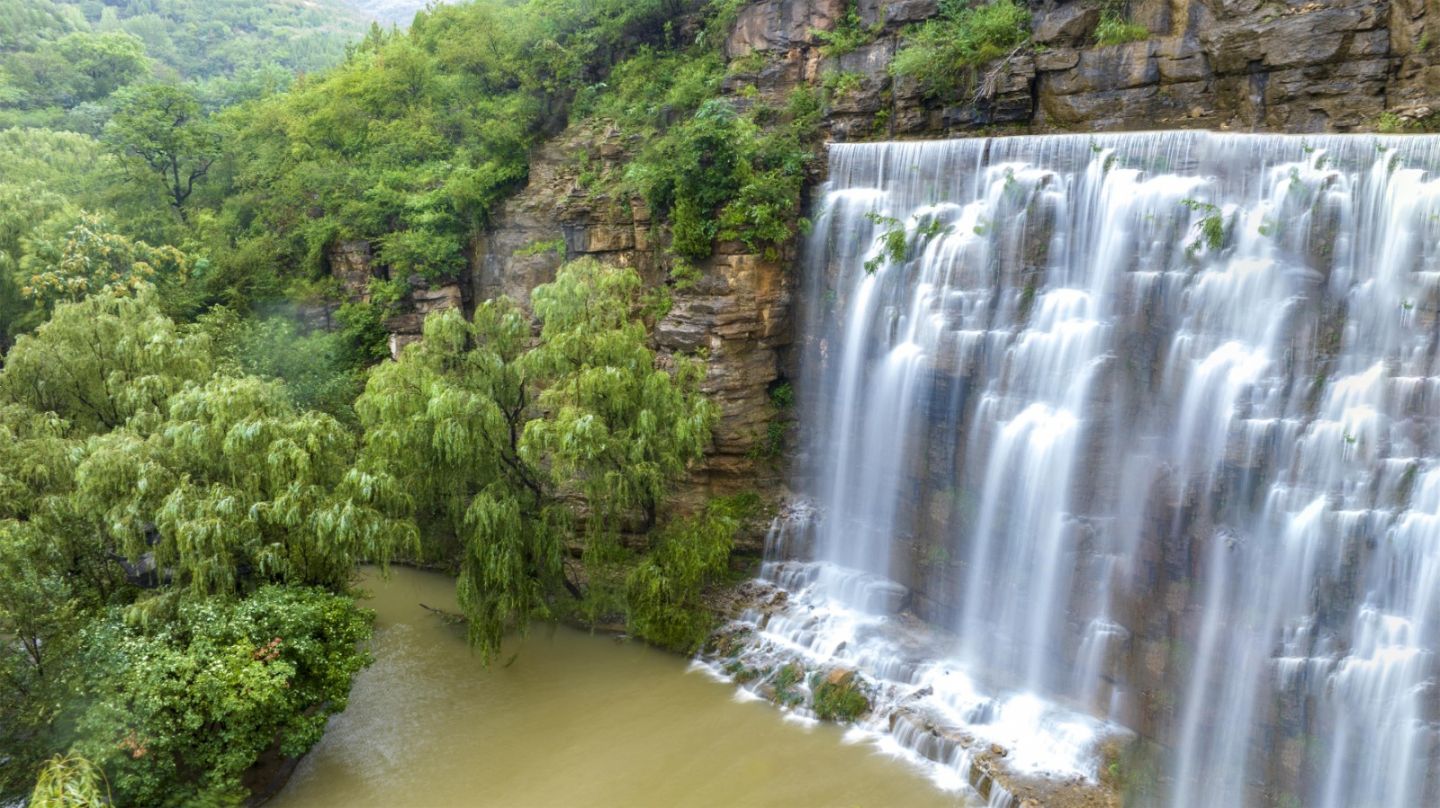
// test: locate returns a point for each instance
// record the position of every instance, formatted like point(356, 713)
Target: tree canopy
point(144, 479)
point(506, 446)
point(162, 127)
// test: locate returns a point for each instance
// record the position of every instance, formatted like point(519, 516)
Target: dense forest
point(190, 473)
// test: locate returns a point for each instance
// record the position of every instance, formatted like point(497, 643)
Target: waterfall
point(1127, 440)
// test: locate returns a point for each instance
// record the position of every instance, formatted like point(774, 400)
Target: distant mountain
point(400, 12)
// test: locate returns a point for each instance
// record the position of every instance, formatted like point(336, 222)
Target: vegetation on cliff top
point(943, 53)
point(1115, 26)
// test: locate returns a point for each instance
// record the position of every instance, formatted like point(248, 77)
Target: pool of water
point(571, 720)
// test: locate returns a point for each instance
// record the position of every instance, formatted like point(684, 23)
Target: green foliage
point(48, 179)
point(771, 444)
point(98, 363)
point(1391, 123)
point(60, 60)
point(943, 53)
point(894, 242)
point(179, 712)
point(505, 446)
point(70, 781)
point(663, 594)
point(1210, 229)
point(555, 246)
point(218, 476)
point(683, 274)
point(840, 83)
point(849, 33)
point(841, 699)
point(784, 682)
point(68, 260)
point(321, 369)
point(897, 244)
point(162, 127)
point(145, 483)
point(413, 142)
point(711, 170)
point(1115, 27)
point(49, 580)
point(720, 175)
point(694, 170)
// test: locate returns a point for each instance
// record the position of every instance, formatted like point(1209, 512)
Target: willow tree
point(98, 363)
point(217, 478)
point(509, 444)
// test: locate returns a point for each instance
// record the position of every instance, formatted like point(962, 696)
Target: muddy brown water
point(574, 720)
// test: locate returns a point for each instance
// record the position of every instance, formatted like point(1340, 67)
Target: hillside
point(60, 60)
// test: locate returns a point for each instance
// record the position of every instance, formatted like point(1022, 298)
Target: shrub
point(663, 593)
point(181, 712)
point(943, 53)
point(849, 33)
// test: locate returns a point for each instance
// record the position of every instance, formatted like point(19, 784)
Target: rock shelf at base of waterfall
point(806, 657)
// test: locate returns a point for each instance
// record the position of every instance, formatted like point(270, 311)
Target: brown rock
point(1068, 25)
point(780, 24)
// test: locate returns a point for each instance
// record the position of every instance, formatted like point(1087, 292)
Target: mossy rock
point(839, 696)
point(789, 675)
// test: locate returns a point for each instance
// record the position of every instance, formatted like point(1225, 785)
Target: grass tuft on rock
point(839, 697)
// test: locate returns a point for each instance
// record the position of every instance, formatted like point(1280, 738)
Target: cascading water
point(1145, 430)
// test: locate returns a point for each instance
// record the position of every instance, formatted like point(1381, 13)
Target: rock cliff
point(1246, 65)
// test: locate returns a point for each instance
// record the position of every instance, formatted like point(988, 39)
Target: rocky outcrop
point(1243, 65)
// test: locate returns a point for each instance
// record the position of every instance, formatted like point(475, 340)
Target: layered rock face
point(1219, 64)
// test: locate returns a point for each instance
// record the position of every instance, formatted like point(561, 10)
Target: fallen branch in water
point(449, 617)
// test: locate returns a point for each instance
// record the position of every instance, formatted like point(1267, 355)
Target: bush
point(181, 712)
point(849, 33)
point(942, 53)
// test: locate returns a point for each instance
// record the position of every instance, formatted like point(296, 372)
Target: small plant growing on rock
point(896, 245)
point(1116, 28)
point(790, 675)
point(943, 53)
point(1210, 230)
point(839, 696)
point(849, 33)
